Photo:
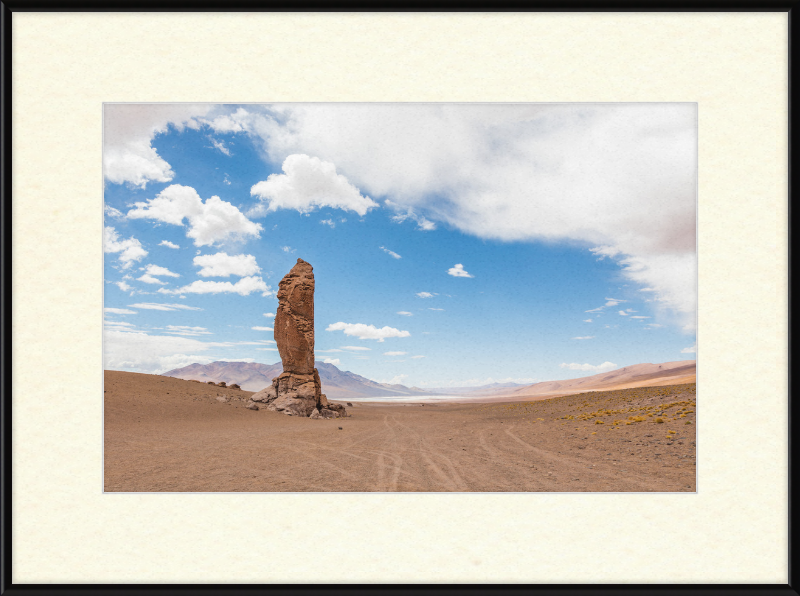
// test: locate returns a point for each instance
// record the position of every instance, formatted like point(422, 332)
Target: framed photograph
point(282, 279)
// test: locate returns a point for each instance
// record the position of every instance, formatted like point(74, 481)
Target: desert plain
point(164, 434)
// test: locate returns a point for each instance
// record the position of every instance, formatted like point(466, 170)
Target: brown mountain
point(637, 375)
point(253, 376)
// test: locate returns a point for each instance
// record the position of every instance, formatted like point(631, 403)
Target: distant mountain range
point(341, 385)
point(252, 376)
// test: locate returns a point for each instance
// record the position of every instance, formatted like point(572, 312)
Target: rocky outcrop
point(297, 390)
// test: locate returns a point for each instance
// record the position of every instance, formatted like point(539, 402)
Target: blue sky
point(451, 244)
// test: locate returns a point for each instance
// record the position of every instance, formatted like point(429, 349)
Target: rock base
point(295, 394)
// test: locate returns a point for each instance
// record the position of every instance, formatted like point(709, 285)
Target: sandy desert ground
point(167, 434)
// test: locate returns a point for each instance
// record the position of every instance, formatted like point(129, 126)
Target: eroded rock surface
point(297, 390)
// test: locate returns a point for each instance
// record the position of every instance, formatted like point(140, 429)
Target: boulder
point(251, 405)
point(222, 398)
point(211, 383)
point(266, 395)
point(339, 409)
point(235, 386)
point(221, 384)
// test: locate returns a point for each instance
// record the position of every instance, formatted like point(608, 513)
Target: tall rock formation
point(297, 390)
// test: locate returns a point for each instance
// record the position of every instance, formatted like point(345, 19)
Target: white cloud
point(590, 367)
point(604, 251)
point(221, 146)
point(149, 279)
point(397, 380)
point(639, 317)
point(395, 353)
point(417, 357)
point(355, 348)
point(407, 213)
point(269, 315)
point(113, 213)
point(623, 313)
point(458, 271)
point(431, 308)
point(184, 330)
point(391, 253)
point(243, 287)
point(168, 244)
point(426, 295)
point(288, 249)
point(585, 337)
point(362, 331)
point(224, 265)
point(261, 328)
point(130, 250)
point(327, 351)
point(587, 320)
point(654, 325)
point(613, 301)
point(619, 177)
point(158, 306)
point(334, 361)
point(119, 311)
point(213, 221)
point(162, 271)
point(128, 129)
point(405, 313)
point(123, 286)
point(690, 350)
point(328, 222)
point(226, 181)
point(308, 183)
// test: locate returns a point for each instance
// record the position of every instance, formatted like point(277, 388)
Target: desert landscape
point(167, 434)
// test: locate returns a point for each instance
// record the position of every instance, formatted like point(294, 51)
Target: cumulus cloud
point(334, 361)
point(690, 350)
point(149, 279)
point(619, 177)
point(623, 313)
point(213, 221)
point(162, 271)
point(159, 306)
point(130, 250)
point(128, 131)
point(306, 184)
point(395, 353)
point(261, 328)
point(269, 315)
point(328, 222)
point(362, 331)
point(590, 367)
point(587, 320)
point(119, 311)
point(123, 286)
point(585, 337)
point(243, 287)
point(405, 313)
point(391, 253)
point(222, 264)
point(426, 295)
point(458, 271)
point(168, 244)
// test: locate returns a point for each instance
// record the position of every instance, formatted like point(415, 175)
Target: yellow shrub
point(599, 422)
point(659, 421)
